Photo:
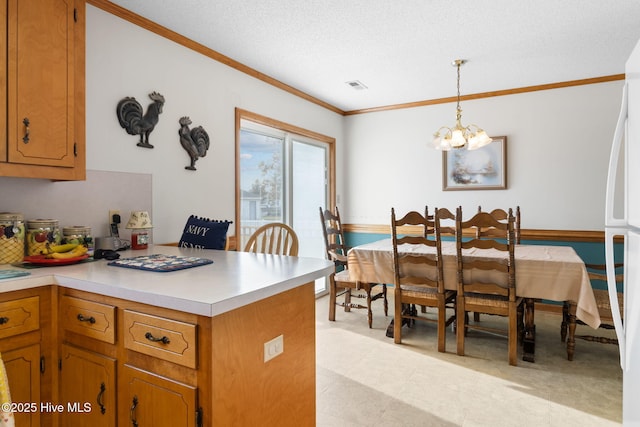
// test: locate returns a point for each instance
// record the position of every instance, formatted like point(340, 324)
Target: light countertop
point(235, 279)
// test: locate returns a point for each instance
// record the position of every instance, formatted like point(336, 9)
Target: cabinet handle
point(101, 397)
point(25, 138)
point(4, 320)
point(91, 319)
point(132, 412)
point(163, 340)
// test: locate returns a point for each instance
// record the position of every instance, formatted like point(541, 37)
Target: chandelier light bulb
point(458, 139)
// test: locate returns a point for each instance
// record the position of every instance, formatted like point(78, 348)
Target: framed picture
point(481, 169)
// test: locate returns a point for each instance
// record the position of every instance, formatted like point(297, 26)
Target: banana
point(79, 250)
point(48, 249)
point(63, 248)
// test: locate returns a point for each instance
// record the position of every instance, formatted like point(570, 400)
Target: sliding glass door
point(261, 180)
point(283, 177)
point(308, 193)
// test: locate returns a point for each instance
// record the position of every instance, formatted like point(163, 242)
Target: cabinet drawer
point(89, 318)
point(160, 337)
point(19, 316)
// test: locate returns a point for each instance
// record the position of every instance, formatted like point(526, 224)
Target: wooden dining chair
point(492, 233)
point(275, 238)
point(597, 273)
point(501, 215)
point(339, 281)
point(487, 285)
point(419, 276)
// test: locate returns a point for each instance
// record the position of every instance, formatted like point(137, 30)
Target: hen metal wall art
point(133, 119)
point(195, 141)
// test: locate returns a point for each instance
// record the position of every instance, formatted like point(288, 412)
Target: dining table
point(543, 272)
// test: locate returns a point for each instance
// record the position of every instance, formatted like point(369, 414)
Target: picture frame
point(482, 169)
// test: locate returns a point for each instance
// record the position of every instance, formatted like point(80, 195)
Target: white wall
point(79, 203)
point(125, 60)
point(558, 144)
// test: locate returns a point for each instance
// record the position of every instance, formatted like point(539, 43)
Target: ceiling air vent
point(357, 85)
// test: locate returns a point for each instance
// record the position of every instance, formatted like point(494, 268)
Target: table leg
point(565, 321)
point(529, 341)
point(571, 337)
point(405, 321)
point(389, 332)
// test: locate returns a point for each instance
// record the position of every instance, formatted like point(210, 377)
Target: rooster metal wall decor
point(194, 141)
point(135, 121)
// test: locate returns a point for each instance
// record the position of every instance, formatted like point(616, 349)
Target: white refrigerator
point(623, 183)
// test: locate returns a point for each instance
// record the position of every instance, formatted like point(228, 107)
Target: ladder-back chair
point(419, 275)
point(487, 284)
point(500, 215)
point(597, 272)
point(336, 251)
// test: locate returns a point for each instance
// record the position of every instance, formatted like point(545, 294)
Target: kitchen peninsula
point(192, 347)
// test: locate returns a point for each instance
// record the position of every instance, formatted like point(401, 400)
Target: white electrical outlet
point(273, 348)
point(113, 212)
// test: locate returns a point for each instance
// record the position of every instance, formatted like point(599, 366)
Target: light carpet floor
point(364, 379)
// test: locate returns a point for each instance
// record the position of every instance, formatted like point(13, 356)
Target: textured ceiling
point(402, 50)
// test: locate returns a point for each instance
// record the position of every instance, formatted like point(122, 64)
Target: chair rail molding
point(527, 234)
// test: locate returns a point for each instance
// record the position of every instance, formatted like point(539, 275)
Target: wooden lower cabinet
point(92, 394)
point(159, 367)
point(23, 373)
point(130, 364)
point(167, 368)
point(89, 391)
point(26, 344)
point(148, 399)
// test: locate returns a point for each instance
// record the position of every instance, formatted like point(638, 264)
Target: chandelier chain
point(458, 109)
point(460, 137)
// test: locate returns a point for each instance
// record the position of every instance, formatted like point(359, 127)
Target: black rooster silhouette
point(131, 118)
point(195, 141)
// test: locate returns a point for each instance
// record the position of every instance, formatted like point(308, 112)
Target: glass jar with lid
point(11, 237)
point(41, 232)
point(79, 234)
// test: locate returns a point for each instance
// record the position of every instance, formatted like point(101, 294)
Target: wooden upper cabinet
point(45, 89)
point(3, 80)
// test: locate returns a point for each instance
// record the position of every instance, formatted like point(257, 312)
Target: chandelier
point(470, 137)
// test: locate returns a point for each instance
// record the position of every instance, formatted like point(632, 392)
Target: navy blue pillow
point(204, 233)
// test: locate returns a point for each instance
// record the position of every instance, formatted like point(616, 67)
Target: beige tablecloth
point(546, 272)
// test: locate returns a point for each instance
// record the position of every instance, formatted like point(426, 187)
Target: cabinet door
point(3, 79)
point(41, 82)
point(87, 388)
point(23, 373)
point(156, 401)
